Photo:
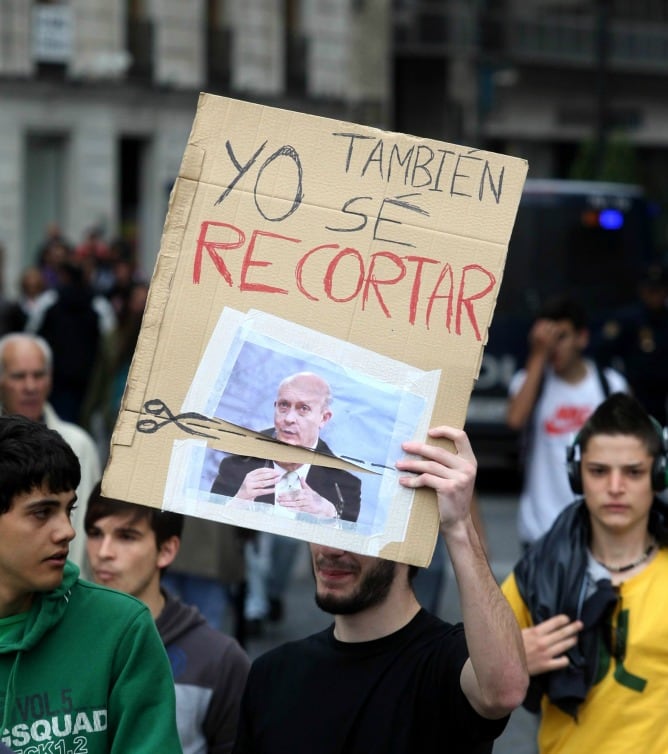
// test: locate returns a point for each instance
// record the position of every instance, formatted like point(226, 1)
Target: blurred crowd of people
point(86, 300)
point(66, 345)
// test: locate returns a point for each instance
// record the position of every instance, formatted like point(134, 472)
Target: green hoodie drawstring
point(10, 691)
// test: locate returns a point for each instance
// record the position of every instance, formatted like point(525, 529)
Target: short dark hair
point(563, 307)
point(165, 524)
point(32, 456)
point(622, 414)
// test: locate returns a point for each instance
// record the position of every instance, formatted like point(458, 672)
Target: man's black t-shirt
point(397, 695)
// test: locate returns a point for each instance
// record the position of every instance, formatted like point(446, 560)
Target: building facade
point(538, 78)
point(97, 97)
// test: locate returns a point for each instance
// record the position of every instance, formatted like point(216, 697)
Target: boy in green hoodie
point(82, 667)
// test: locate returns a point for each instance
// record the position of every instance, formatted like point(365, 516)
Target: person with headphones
point(590, 595)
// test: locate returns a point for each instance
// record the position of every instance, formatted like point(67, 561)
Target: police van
point(589, 239)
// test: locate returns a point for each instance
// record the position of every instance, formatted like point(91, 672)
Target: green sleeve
point(142, 714)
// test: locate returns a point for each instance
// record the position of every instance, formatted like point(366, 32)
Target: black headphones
point(659, 467)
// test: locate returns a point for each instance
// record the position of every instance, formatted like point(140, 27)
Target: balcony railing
point(574, 41)
point(527, 37)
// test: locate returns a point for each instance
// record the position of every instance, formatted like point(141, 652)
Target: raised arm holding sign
point(388, 676)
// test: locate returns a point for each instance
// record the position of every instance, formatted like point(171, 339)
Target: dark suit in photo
point(341, 488)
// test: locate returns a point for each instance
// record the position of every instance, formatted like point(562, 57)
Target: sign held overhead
point(322, 293)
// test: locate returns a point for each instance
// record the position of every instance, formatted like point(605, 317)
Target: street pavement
point(302, 617)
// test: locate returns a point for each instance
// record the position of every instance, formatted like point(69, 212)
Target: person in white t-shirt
point(550, 400)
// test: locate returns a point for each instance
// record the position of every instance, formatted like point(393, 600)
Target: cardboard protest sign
point(365, 262)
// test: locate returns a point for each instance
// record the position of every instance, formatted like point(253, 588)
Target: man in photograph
point(301, 409)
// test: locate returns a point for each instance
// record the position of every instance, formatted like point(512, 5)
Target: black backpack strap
point(603, 379)
point(527, 431)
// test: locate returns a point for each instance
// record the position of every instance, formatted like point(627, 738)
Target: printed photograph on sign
point(292, 396)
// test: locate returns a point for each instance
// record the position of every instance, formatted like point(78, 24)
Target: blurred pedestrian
point(31, 285)
point(25, 386)
point(124, 341)
point(112, 366)
point(635, 340)
point(270, 560)
point(283, 555)
point(124, 275)
point(12, 317)
point(52, 250)
point(209, 571)
point(74, 321)
point(550, 399)
point(53, 233)
point(388, 676)
point(591, 596)
point(55, 254)
point(130, 547)
point(94, 255)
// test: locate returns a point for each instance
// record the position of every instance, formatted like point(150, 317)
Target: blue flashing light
point(611, 219)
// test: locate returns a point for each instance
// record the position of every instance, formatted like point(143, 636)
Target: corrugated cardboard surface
point(310, 220)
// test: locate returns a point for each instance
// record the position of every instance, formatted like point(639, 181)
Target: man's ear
point(326, 416)
point(168, 551)
point(583, 338)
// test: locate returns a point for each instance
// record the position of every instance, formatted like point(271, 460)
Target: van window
point(589, 238)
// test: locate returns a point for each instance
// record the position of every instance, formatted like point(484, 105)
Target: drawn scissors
point(159, 409)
